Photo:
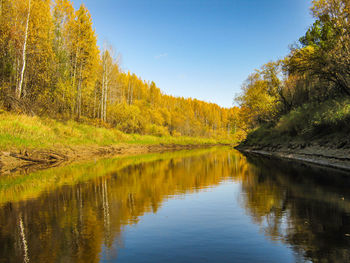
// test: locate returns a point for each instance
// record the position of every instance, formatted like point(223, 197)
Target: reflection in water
point(85, 219)
point(308, 208)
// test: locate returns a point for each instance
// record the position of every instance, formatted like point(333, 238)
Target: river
point(207, 205)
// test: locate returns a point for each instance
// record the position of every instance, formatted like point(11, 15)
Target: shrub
point(157, 130)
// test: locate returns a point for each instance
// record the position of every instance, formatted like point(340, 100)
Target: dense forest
point(51, 65)
point(307, 92)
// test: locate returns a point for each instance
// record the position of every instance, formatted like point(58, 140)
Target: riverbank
point(37, 159)
point(31, 143)
point(22, 186)
point(332, 150)
point(316, 133)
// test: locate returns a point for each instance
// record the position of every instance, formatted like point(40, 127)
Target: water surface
point(212, 205)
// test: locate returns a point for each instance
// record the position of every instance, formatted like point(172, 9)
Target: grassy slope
point(24, 132)
point(327, 121)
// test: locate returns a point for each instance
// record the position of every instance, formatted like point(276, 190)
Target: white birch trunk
point(105, 102)
point(129, 92)
point(79, 93)
point(95, 103)
point(102, 96)
point(20, 85)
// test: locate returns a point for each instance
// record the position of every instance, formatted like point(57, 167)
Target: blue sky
point(203, 49)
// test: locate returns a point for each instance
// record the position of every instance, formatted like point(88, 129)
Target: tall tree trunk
point(79, 93)
point(131, 94)
point(105, 102)
point(102, 95)
point(95, 104)
point(104, 83)
point(20, 85)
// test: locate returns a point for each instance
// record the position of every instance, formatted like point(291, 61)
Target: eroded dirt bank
point(32, 160)
point(320, 152)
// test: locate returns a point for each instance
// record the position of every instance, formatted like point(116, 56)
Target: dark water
point(193, 206)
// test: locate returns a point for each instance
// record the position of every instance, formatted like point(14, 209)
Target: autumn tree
point(24, 53)
point(50, 65)
point(258, 100)
point(9, 44)
point(64, 22)
point(324, 52)
point(84, 59)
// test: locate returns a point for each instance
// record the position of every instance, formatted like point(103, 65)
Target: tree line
point(51, 65)
point(316, 70)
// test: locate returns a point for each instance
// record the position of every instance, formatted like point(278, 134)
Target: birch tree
point(24, 52)
point(85, 57)
point(64, 22)
point(107, 65)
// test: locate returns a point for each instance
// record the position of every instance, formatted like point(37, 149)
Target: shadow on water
point(306, 207)
point(79, 213)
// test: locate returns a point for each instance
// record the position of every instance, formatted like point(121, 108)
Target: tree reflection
point(74, 223)
point(306, 208)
